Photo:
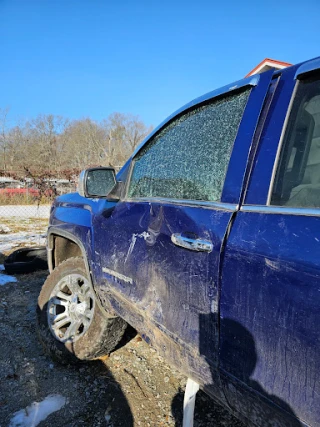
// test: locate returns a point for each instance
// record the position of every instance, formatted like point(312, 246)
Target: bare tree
point(3, 135)
point(125, 132)
point(85, 143)
point(15, 147)
point(45, 140)
point(50, 142)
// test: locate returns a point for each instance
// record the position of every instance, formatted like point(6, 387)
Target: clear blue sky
point(83, 58)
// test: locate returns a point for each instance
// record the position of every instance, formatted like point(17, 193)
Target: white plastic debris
point(37, 411)
point(4, 229)
point(189, 402)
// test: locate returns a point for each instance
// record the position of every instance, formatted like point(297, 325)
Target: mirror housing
point(97, 182)
point(115, 194)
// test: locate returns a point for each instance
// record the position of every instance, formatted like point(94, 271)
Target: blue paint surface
point(243, 320)
point(271, 286)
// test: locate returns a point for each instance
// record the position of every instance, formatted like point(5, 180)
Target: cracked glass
point(100, 182)
point(189, 158)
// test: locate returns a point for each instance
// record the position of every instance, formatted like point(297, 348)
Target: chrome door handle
point(197, 245)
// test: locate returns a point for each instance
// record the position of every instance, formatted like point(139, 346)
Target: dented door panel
point(170, 285)
point(169, 293)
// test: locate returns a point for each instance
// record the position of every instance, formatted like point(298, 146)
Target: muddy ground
point(132, 387)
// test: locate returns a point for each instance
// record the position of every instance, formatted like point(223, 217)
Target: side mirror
point(96, 182)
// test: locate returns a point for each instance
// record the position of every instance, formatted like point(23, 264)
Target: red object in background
point(11, 192)
point(268, 64)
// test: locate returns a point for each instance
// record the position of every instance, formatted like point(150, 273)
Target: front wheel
point(71, 325)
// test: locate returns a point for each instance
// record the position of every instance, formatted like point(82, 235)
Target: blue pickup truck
point(207, 242)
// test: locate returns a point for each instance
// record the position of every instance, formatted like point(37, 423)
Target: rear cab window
point(297, 177)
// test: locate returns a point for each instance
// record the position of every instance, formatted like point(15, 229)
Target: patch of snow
point(4, 279)
point(37, 411)
point(10, 241)
point(4, 229)
point(25, 211)
point(1, 267)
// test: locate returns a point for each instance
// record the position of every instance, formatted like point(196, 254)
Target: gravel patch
point(132, 387)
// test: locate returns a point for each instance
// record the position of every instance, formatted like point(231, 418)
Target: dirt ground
point(132, 387)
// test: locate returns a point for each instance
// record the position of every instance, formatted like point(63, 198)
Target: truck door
point(160, 247)
point(270, 317)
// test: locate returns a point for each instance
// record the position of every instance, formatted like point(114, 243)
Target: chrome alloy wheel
point(70, 308)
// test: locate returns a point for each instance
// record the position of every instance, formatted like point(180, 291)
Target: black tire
point(26, 260)
point(102, 334)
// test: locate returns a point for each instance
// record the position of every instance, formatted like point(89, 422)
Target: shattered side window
point(189, 158)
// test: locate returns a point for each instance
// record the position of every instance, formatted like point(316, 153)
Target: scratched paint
point(242, 320)
point(117, 275)
point(134, 238)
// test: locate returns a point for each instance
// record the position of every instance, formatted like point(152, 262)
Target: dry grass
point(20, 225)
point(22, 199)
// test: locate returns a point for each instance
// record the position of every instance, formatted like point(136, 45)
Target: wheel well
point(63, 249)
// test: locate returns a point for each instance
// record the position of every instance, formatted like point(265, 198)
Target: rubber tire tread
point(101, 338)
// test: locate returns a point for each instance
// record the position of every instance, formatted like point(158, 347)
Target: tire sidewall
point(82, 347)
